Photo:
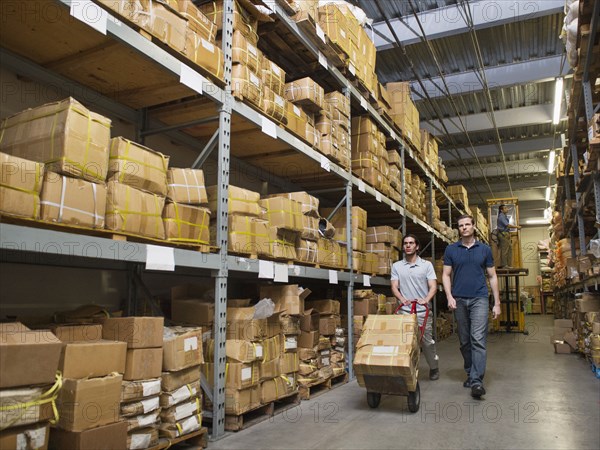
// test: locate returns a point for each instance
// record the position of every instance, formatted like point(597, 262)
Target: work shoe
point(477, 391)
point(434, 374)
point(467, 383)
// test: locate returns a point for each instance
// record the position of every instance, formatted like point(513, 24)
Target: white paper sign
point(269, 128)
point(266, 269)
point(322, 60)
point(378, 196)
point(351, 69)
point(383, 350)
point(190, 343)
point(361, 186)
point(160, 258)
point(320, 33)
point(333, 277)
point(258, 348)
point(191, 78)
point(325, 163)
point(246, 373)
point(366, 280)
point(393, 205)
point(281, 273)
point(90, 14)
point(363, 103)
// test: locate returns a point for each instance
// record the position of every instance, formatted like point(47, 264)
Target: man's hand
point(422, 301)
point(496, 311)
point(451, 303)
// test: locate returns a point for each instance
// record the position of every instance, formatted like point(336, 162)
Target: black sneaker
point(467, 383)
point(434, 374)
point(477, 391)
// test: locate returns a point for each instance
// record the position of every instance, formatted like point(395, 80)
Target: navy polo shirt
point(469, 268)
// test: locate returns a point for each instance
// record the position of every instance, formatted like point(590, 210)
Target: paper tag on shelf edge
point(191, 78)
point(333, 277)
point(322, 60)
point(378, 196)
point(320, 33)
point(269, 127)
point(363, 103)
point(393, 205)
point(361, 186)
point(91, 14)
point(160, 258)
point(366, 280)
point(325, 163)
point(281, 273)
point(266, 269)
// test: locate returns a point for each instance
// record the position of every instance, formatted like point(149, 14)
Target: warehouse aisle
point(536, 399)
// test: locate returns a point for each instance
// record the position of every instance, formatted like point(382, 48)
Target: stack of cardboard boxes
point(458, 193)
point(404, 112)
point(144, 338)
point(384, 242)
point(360, 260)
point(429, 151)
point(21, 186)
point(481, 221)
point(283, 217)
point(181, 406)
point(330, 327)
point(369, 154)
point(27, 375)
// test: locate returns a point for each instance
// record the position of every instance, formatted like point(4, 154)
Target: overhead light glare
point(537, 221)
point(558, 88)
point(551, 161)
point(548, 190)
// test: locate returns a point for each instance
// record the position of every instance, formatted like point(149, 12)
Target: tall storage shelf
point(577, 202)
point(106, 67)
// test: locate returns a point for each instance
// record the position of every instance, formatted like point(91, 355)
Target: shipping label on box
point(238, 375)
point(182, 348)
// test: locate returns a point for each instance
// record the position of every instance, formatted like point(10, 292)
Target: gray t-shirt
point(413, 280)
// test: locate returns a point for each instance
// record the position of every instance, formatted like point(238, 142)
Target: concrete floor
point(536, 399)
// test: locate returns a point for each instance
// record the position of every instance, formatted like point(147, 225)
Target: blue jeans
point(472, 318)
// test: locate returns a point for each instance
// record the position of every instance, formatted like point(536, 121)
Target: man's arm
point(491, 271)
point(447, 283)
point(432, 284)
point(396, 291)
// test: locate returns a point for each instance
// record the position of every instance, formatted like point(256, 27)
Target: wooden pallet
point(283, 404)
point(249, 418)
point(196, 438)
point(314, 389)
point(338, 380)
point(103, 233)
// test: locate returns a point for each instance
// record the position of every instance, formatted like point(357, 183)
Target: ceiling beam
point(509, 146)
point(530, 71)
point(449, 21)
point(505, 118)
point(513, 168)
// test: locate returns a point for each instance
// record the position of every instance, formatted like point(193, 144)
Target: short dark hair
point(500, 207)
point(465, 216)
point(414, 237)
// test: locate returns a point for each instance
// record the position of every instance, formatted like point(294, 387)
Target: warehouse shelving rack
point(20, 52)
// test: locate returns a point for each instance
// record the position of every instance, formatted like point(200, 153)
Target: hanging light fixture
point(557, 100)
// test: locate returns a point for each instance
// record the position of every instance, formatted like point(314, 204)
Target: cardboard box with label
point(290, 325)
point(238, 401)
point(186, 186)
point(65, 135)
point(27, 357)
point(246, 53)
point(273, 76)
point(358, 215)
point(142, 438)
point(138, 332)
point(247, 85)
point(138, 389)
point(238, 375)
point(143, 363)
point(21, 186)
point(182, 348)
point(92, 358)
point(305, 92)
point(78, 398)
point(184, 393)
point(274, 105)
point(186, 223)
point(306, 251)
point(171, 381)
point(196, 20)
point(289, 298)
point(245, 17)
point(204, 53)
point(133, 211)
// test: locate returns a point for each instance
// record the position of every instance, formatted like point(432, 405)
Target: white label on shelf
point(297, 110)
point(160, 258)
point(258, 349)
point(190, 343)
point(590, 133)
point(246, 373)
point(333, 277)
point(279, 101)
point(351, 69)
point(254, 80)
point(322, 60)
point(266, 269)
point(383, 350)
point(208, 46)
point(363, 103)
point(378, 196)
point(366, 280)
point(361, 186)
point(269, 127)
point(320, 33)
point(393, 205)
point(325, 163)
point(281, 273)
point(90, 14)
point(191, 78)
point(252, 49)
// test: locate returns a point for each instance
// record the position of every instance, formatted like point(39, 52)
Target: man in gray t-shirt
point(413, 279)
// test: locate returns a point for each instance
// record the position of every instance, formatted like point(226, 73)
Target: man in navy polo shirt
point(469, 260)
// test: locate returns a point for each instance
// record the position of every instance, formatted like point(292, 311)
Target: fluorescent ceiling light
point(548, 189)
point(557, 100)
point(537, 221)
point(551, 161)
point(563, 140)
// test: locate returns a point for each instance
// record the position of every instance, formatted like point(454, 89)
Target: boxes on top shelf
point(273, 76)
point(186, 186)
point(244, 52)
point(243, 20)
point(247, 85)
point(186, 223)
point(204, 53)
point(241, 201)
point(196, 20)
point(333, 22)
point(305, 92)
point(20, 186)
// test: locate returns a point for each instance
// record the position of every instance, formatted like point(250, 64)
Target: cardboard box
point(138, 389)
point(271, 390)
point(305, 92)
point(333, 22)
point(187, 425)
point(274, 105)
point(138, 332)
point(562, 347)
point(309, 320)
point(290, 343)
point(143, 363)
point(184, 393)
point(324, 306)
point(182, 348)
point(358, 215)
point(241, 201)
point(180, 411)
point(289, 362)
point(92, 359)
point(107, 437)
point(282, 213)
point(243, 351)
point(243, 20)
point(66, 136)
point(186, 186)
point(72, 201)
point(29, 437)
point(244, 52)
point(27, 357)
point(186, 223)
point(196, 20)
point(192, 311)
point(20, 186)
point(85, 332)
point(247, 85)
point(133, 211)
point(142, 438)
point(272, 347)
point(290, 325)
point(327, 325)
point(382, 234)
point(138, 166)
point(270, 369)
point(289, 298)
point(241, 325)
point(310, 204)
point(89, 403)
point(365, 306)
point(238, 375)
point(239, 401)
point(306, 251)
point(171, 381)
point(24, 406)
point(204, 53)
point(339, 102)
point(310, 228)
point(297, 121)
point(273, 76)
point(308, 339)
point(382, 250)
point(370, 264)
